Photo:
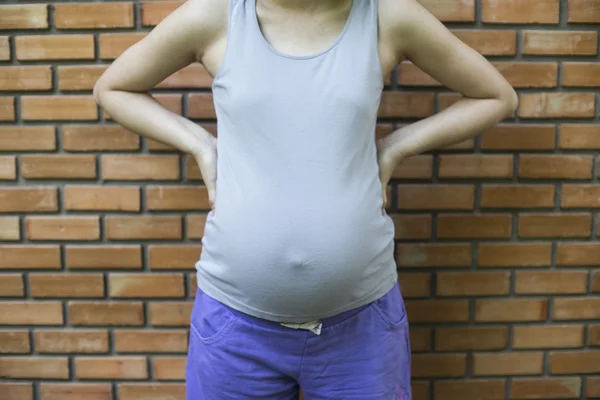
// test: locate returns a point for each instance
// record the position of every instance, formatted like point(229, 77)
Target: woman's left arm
point(412, 32)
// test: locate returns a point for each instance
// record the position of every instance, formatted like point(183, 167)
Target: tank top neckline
point(272, 49)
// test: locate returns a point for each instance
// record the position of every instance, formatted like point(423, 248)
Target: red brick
point(594, 334)
point(465, 226)
point(173, 256)
point(547, 336)
point(595, 286)
point(489, 42)
point(66, 285)
point(520, 12)
point(560, 43)
point(34, 77)
point(576, 308)
point(14, 342)
point(24, 16)
point(169, 368)
point(519, 137)
point(11, 285)
point(437, 311)
point(8, 168)
point(98, 137)
point(585, 11)
point(415, 284)
point(29, 257)
point(151, 391)
point(476, 166)
point(415, 167)
point(511, 310)
point(581, 74)
point(147, 341)
point(140, 167)
point(580, 196)
point(406, 105)
point(555, 225)
point(34, 367)
point(551, 282)
point(4, 48)
point(153, 12)
point(514, 363)
point(410, 226)
point(545, 388)
point(514, 254)
point(177, 198)
point(113, 44)
point(75, 391)
point(63, 228)
point(454, 11)
point(146, 285)
point(517, 196)
point(434, 255)
point(575, 362)
point(436, 197)
point(31, 313)
point(170, 313)
point(420, 340)
point(593, 386)
point(17, 391)
point(7, 108)
point(55, 108)
point(542, 166)
point(472, 283)
point(557, 105)
point(579, 136)
point(410, 75)
point(94, 198)
point(55, 47)
point(25, 138)
point(438, 365)
point(79, 77)
point(71, 341)
point(193, 76)
point(196, 223)
point(103, 256)
point(578, 253)
point(143, 227)
point(103, 313)
point(471, 338)
point(53, 166)
point(528, 74)
point(115, 367)
point(82, 15)
point(481, 389)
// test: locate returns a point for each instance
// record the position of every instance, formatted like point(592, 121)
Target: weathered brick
point(475, 166)
point(510, 310)
point(471, 338)
point(177, 198)
point(551, 282)
point(437, 311)
point(434, 255)
point(102, 198)
point(103, 313)
point(147, 341)
point(115, 367)
point(93, 15)
point(75, 391)
point(143, 227)
point(140, 167)
point(546, 388)
point(29, 257)
point(122, 285)
point(62, 228)
point(555, 225)
point(514, 363)
point(113, 44)
point(55, 47)
point(465, 226)
point(66, 285)
point(173, 256)
point(557, 105)
point(103, 256)
point(22, 78)
point(555, 166)
point(547, 336)
point(579, 136)
point(23, 16)
point(520, 12)
point(519, 137)
point(34, 367)
point(98, 137)
point(71, 341)
point(560, 43)
point(31, 313)
point(14, 341)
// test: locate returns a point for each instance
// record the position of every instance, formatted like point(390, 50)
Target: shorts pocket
point(211, 320)
point(390, 308)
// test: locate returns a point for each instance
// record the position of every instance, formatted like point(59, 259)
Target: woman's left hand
point(387, 163)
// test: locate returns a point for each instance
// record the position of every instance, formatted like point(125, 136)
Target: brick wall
point(497, 237)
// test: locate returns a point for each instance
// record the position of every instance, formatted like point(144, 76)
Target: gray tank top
point(298, 232)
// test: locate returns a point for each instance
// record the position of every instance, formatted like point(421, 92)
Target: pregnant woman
point(297, 282)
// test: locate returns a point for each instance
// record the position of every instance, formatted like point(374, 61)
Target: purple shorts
point(359, 354)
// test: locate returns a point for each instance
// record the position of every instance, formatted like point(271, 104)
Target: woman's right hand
point(207, 162)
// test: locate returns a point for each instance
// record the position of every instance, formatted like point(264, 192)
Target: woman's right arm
point(182, 38)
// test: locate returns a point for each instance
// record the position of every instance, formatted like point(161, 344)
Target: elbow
point(98, 92)
point(510, 102)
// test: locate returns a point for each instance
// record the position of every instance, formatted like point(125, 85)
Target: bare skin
point(407, 31)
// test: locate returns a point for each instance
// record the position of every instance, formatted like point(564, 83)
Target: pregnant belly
point(297, 261)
